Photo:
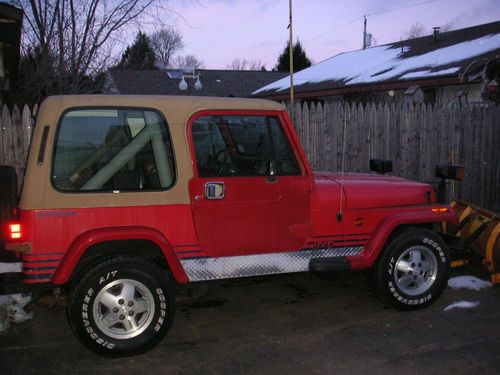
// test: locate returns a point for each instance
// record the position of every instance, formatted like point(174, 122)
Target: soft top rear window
point(110, 149)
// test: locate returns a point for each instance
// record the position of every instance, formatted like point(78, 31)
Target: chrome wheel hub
point(123, 309)
point(415, 270)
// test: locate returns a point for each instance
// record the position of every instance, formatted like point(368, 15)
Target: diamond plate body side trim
point(260, 264)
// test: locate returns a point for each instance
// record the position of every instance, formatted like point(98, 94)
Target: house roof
point(445, 59)
point(237, 83)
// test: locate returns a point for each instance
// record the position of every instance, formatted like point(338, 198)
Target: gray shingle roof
point(237, 83)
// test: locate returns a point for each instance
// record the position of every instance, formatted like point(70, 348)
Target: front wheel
point(412, 271)
point(123, 306)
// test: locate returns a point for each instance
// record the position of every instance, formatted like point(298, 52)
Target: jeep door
point(250, 191)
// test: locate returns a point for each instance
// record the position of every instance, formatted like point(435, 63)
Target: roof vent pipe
point(436, 33)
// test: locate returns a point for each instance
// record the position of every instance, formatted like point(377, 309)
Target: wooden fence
point(414, 137)
point(15, 136)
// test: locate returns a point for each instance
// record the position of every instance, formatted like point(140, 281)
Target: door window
point(112, 149)
point(242, 146)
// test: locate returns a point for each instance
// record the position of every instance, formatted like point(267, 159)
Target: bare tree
point(165, 44)
point(448, 26)
point(187, 61)
point(76, 37)
point(244, 64)
point(416, 31)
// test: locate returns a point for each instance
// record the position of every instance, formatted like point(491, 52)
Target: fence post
point(7, 138)
point(18, 144)
point(27, 125)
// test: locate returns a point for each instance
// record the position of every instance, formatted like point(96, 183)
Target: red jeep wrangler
point(126, 195)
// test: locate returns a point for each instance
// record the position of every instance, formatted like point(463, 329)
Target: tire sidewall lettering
point(393, 289)
point(88, 299)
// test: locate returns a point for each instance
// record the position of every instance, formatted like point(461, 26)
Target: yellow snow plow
point(476, 238)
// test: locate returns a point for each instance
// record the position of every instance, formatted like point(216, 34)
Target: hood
point(377, 191)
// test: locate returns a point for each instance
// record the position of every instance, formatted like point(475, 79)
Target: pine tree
point(139, 55)
point(300, 59)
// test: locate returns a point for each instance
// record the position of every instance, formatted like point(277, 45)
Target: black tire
point(412, 270)
point(101, 307)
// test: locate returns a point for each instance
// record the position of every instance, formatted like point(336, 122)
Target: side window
point(242, 146)
point(112, 149)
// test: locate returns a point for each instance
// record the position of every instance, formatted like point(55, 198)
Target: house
point(201, 82)
point(11, 19)
point(437, 68)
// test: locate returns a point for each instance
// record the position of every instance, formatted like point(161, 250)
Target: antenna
point(339, 214)
point(364, 34)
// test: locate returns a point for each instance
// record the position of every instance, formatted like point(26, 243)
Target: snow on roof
point(402, 60)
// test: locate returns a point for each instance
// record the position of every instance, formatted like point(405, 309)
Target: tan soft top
point(38, 193)
point(178, 109)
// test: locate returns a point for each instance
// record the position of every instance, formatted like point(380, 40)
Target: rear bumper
point(19, 247)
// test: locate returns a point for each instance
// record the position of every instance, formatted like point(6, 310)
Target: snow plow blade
point(476, 238)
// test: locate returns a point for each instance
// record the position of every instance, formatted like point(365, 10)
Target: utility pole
point(292, 109)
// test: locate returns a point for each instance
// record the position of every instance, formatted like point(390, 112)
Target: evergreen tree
point(139, 55)
point(300, 59)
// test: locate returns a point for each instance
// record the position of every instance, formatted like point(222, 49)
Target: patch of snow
point(461, 305)
point(428, 73)
point(384, 62)
point(11, 267)
point(12, 310)
point(468, 282)
point(16, 312)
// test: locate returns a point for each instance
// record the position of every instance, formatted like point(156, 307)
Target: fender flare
point(380, 235)
point(95, 236)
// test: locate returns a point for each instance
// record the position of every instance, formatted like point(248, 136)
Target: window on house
point(242, 146)
point(112, 149)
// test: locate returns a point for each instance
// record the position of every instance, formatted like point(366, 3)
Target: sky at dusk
point(217, 31)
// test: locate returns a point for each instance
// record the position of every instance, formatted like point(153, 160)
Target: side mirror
point(381, 166)
point(447, 172)
point(450, 171)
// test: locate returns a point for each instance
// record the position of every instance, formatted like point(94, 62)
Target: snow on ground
point(384, 62)
point(468, 282)
point(12, 310)
point(462, 305)
point(12, 306)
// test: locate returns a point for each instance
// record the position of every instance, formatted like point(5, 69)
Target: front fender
point(379, 238)
point(95, 236)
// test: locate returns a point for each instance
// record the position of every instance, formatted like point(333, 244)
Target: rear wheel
point(123, 306)
point(412, 271)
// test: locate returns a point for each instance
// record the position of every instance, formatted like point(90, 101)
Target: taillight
point(15, 231)
point(440, 210)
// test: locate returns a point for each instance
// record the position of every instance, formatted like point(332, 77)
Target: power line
point(370, 14)
point(357, 19)
point(401, 8)
point(334, 29)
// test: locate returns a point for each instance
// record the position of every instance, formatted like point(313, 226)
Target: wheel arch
point(98, 244)
point(391, 226)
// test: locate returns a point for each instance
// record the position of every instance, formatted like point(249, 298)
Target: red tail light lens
point(15, 231)
point(440, 210)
